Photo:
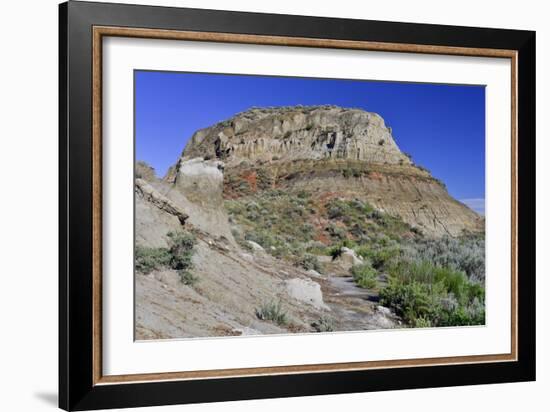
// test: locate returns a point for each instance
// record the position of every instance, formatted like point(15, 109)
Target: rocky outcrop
point(201, 181)
point(193, 197)
point(286, 134)
point(151, 195)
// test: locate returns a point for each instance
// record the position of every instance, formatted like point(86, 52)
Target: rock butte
point(334, 151)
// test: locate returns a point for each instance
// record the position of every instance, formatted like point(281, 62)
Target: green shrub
point(149, 259)
point(334, 211)
point(337, 233)
point(181, 249)
point(177, 256)
point(467, 315)
point(272, 311)
point(187, 278)
point(408, 272)
point(453, 281)
point(410, 301)
point(465, 254)
point(364, 275)
point(309, 261)
point(264, 179)
point(382, 258)
point(347, 173)
point(336, 249)
point(354, 210)
point(426, 295)
point(324, 324)
point(422, 323)
point(182, 246)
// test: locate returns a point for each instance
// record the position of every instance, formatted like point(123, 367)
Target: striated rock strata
point(285, 134)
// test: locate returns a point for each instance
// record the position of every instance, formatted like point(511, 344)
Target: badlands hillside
point(301, 219)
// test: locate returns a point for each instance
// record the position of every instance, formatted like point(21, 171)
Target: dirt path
point(355, 308)
point(345, 286)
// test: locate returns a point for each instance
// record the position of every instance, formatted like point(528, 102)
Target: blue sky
point(441, 126)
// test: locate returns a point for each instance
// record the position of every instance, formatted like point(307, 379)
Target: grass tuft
point(272, 311)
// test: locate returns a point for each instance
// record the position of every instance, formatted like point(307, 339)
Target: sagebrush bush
point(410, 301)
point(272, 311)
point(336, 249)
point(466, 254)
point(187, 277)
point(364, 275)
point(309, 261)
point(422, 323)
point(324, 324)
point(177, 256)
point(353, 211)
point(148, 259)
point(181, 249)
point(382, 257)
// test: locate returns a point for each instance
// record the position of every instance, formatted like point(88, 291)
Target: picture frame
point(82, 383)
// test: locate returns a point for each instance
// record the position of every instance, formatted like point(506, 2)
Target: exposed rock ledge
point(150, 194)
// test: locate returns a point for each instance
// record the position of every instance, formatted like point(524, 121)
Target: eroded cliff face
point(329, 151)
point(286, 134)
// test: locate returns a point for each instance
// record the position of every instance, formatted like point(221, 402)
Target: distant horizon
point(441, 126)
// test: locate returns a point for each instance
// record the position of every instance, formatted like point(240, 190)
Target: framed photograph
point(257, 206)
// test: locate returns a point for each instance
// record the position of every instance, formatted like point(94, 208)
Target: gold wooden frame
point(101, 31)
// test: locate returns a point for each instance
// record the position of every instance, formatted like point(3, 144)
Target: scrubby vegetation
point(278, 221)
point(430, 282)
point(429, 295)
point(181, 251)
point(148, 259)
point(309, 262)
point(272, 311)
point(177, 256)
point(324, 324)
point(364, 275)
point(465, 254)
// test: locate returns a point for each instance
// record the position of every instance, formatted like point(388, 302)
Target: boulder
point(201, 181)
point(306, 291)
